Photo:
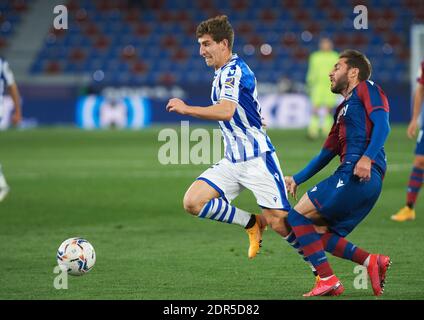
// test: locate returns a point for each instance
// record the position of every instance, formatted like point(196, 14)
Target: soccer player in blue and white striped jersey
point(250, 161)
point(7, 80)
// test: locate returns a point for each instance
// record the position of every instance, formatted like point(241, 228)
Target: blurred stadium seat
point(10, 16)
point(131, 36)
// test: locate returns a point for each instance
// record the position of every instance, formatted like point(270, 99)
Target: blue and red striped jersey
point(351, 132)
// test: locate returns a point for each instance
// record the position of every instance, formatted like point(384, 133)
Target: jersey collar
point(233, 57)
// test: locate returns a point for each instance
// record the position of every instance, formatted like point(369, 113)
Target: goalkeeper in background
point(323, 100)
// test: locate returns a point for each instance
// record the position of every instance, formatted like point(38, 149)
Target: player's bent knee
point(192, 205)
point(419, 162)
point(275, 219)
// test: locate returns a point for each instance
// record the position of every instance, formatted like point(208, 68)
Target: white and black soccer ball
point(76, 256)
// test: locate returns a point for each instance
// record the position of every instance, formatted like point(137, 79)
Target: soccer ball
point(76, 256)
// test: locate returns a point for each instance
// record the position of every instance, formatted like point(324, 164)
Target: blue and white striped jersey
point(6, 79)
point(244, 137)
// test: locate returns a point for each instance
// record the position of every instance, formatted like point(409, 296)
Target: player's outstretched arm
point(313, 167)
point(222, 111)
point(418, 101)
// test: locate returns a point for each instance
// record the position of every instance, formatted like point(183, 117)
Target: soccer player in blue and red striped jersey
point(343, 200)
point(417, 173)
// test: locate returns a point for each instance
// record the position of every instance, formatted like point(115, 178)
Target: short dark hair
point(356, 59)
point(219, 28)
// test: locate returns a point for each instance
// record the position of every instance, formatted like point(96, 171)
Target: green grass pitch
point(109, 187)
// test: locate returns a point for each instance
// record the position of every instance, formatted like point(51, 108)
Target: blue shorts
point(343, 201)
point(419, 148)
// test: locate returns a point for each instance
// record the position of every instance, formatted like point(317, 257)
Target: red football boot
point(384, 263)
point(335, 292)
point(325, 287)
point(377, 268)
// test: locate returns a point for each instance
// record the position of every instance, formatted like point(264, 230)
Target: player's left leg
point(302, 219)
point(4, 187)
point(414, 186)
point(414, 183)
point(264, 178)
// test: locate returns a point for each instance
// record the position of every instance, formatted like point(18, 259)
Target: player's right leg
point(4, 188)
point(329, 101)
point(197, 195)
point(203, 201)
point(210, 195)
point(314, 123)
point(327, 121)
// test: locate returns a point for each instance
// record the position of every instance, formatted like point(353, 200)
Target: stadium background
point(108, 185)
point(152, 44)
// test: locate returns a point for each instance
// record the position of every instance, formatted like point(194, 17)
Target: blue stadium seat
point(163, 36)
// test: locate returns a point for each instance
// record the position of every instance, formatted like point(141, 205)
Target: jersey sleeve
point(230, 84)
point(420, 78)
point(7, 73)
point(372, 97)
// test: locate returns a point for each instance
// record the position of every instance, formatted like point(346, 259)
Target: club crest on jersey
point(231, 72)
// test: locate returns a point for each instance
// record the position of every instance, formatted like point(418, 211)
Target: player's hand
point(291, 186)
point(363, 169)
point(16, 118)
point(177, 105)
point(412, 129)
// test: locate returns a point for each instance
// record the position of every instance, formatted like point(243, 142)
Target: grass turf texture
point(109, 187)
